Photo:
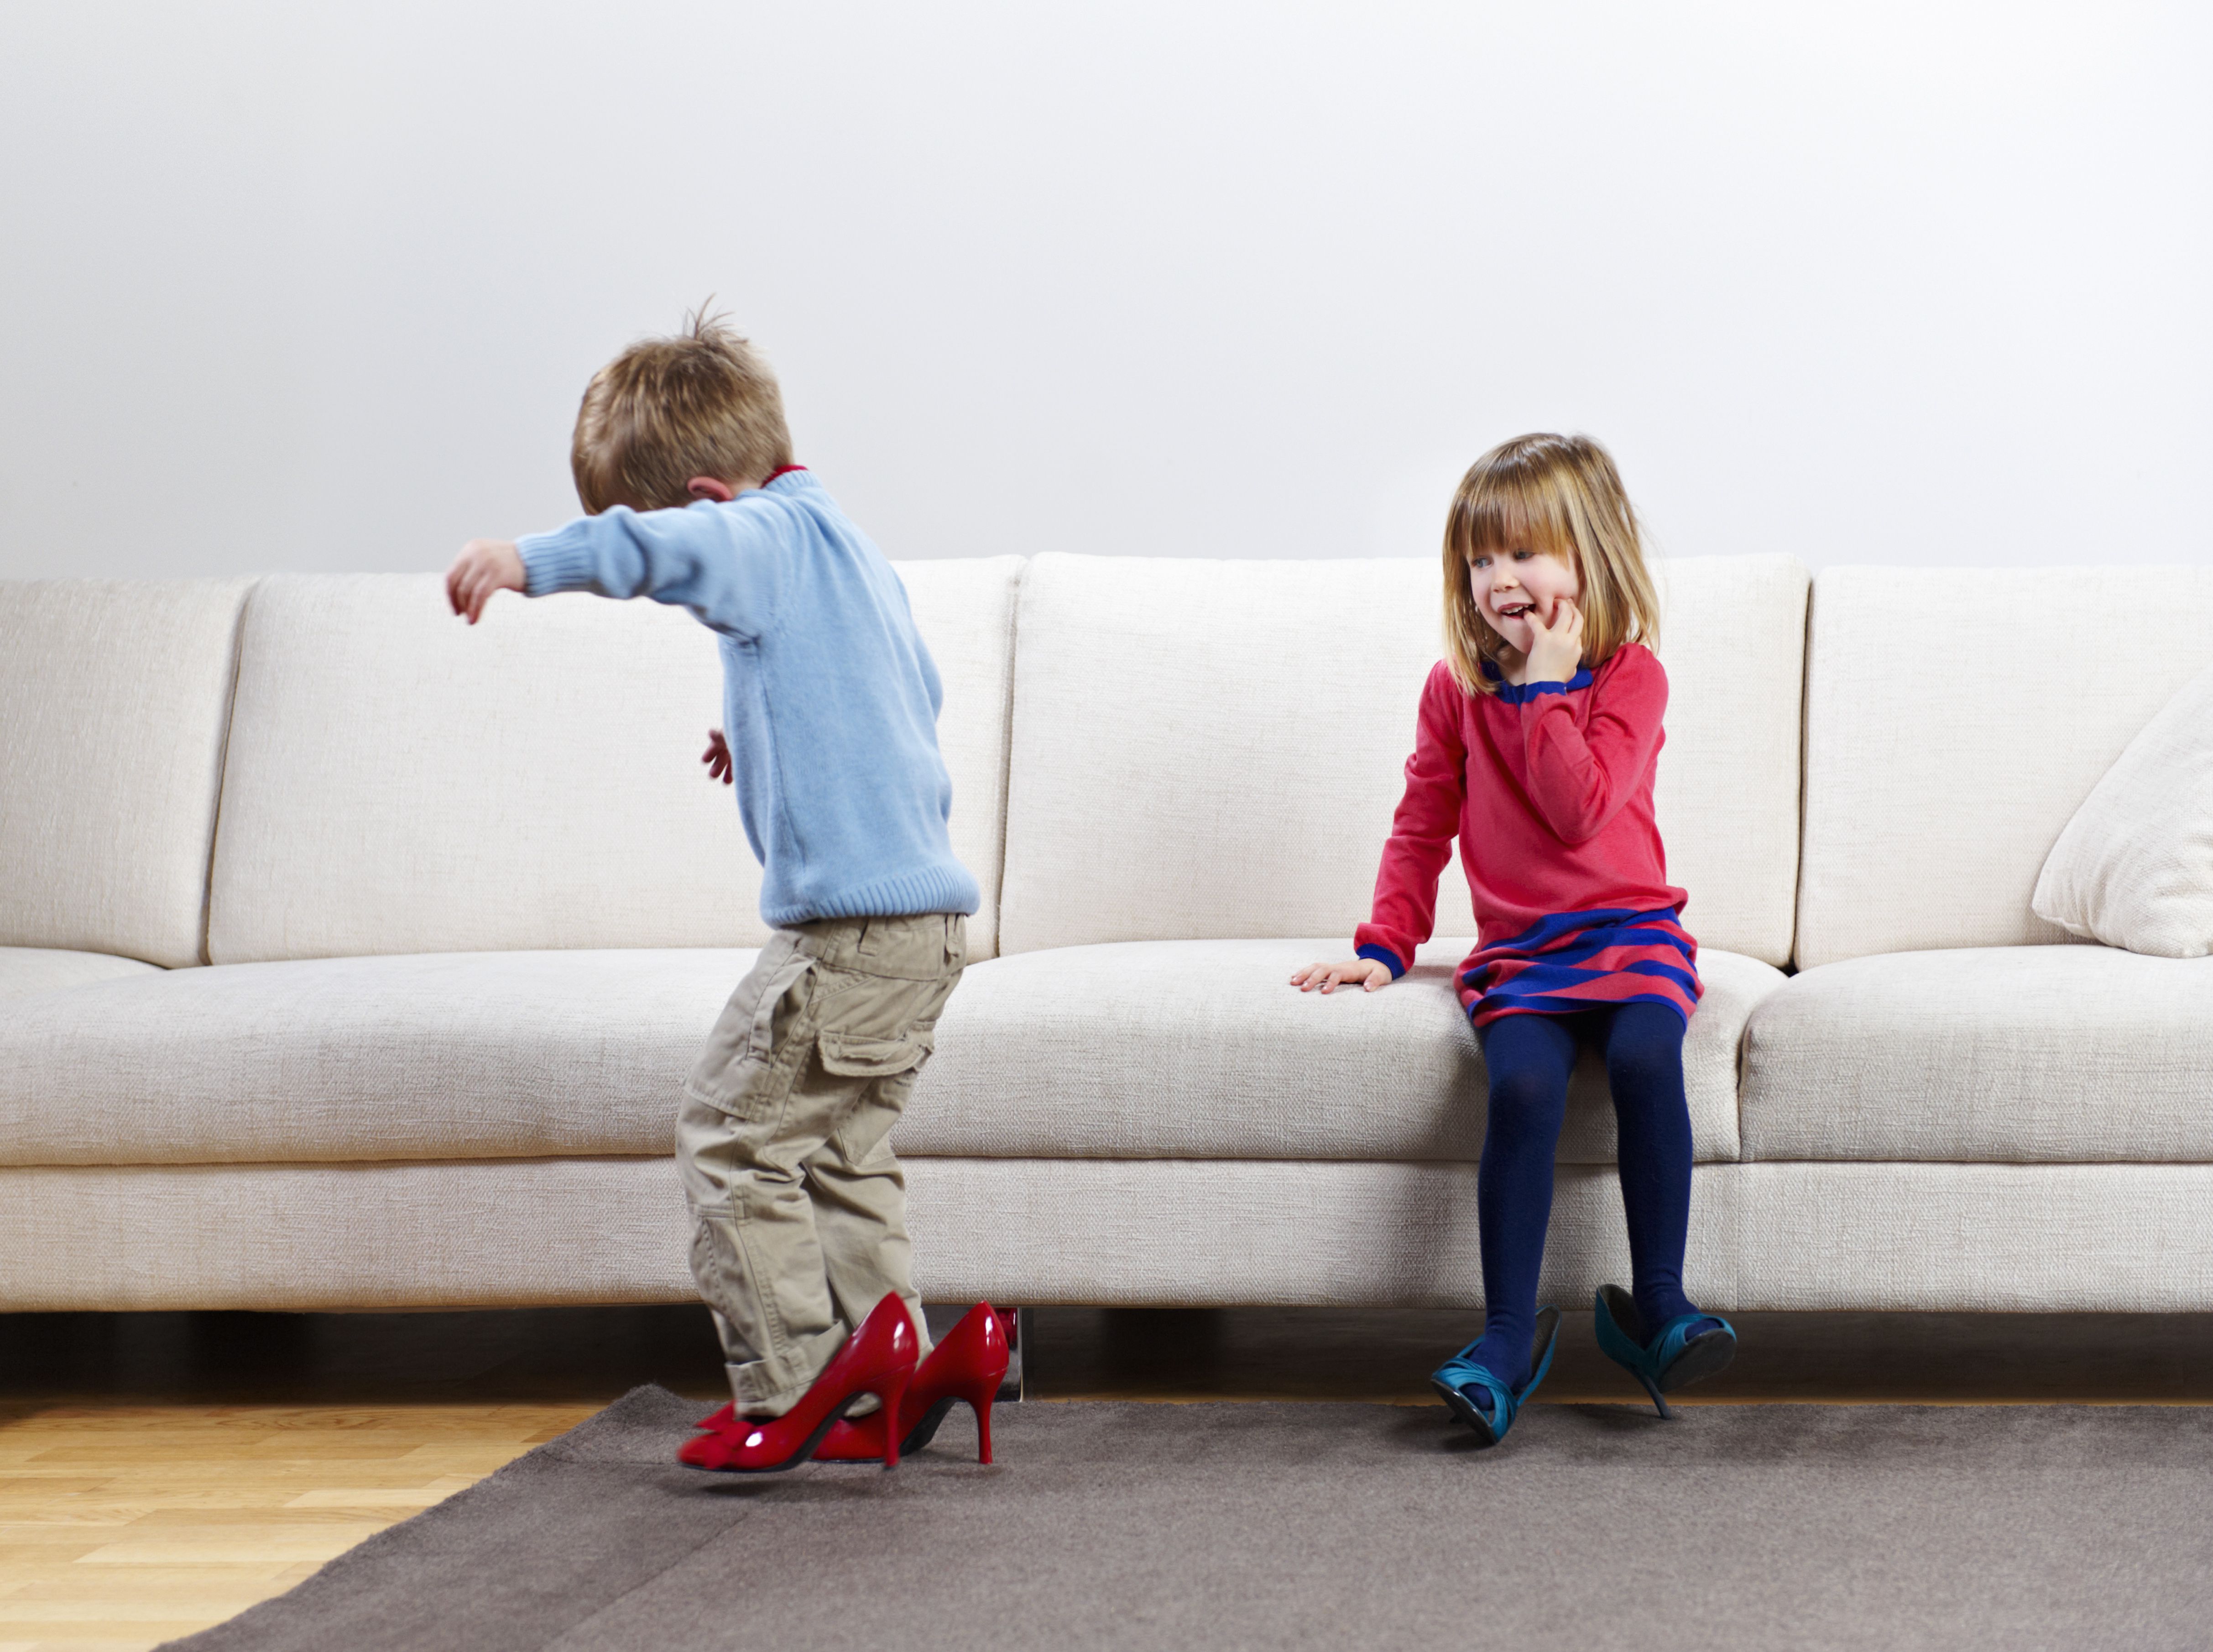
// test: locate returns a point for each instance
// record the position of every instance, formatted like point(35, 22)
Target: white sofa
point(351, 958)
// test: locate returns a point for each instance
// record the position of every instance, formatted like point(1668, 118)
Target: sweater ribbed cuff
point(560, 561)
point(1383, 955)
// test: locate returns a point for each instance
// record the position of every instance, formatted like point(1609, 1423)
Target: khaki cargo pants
point(798, 1207)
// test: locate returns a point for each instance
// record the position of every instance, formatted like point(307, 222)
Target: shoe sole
point(1701, 1358)
point(1467, 1412)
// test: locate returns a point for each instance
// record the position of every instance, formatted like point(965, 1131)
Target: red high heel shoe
point(970, 1364)
point(877, 1359)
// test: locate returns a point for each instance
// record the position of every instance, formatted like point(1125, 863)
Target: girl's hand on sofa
point(716, 757)
point(482, 567)
point(1366, 971)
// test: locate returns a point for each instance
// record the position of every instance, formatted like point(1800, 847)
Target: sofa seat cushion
point(427, 1055)
point(2057, 1054)
point(25, 970)
point(1201, 1049)
point(1143, 1050)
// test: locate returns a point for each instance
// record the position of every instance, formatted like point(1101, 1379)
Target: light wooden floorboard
point(129, 1525)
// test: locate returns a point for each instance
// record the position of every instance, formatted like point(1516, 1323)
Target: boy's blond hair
point(667, 409)
point(1561, 496)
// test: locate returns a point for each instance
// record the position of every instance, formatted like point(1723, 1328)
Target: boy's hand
point(1555, 652)
point(716, 757)
point(1366, 971)
point(482, 567)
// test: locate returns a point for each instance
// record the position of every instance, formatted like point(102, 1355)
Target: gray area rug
point(1175, 1526)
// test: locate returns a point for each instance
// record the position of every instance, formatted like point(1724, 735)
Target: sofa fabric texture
point(2134, 868)
point(1936, 787)
point(504, 1055)
point(1937, 1238)
point(1201, 1050)
point(25, 970)
point(114, 702)
point(533, 782)
point(471, 909)
point(1152, 1050)
point(2018, 1055)
point(1247, 724)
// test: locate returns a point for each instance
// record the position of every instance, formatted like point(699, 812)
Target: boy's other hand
point(716, 757)
point(482, 567)
point(1366, 971)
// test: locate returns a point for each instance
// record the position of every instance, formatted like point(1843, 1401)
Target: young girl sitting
point(1536, 743)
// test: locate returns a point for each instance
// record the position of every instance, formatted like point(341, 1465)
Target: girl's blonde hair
point(1559, 496)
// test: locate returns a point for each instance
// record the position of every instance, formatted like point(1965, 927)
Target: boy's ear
point(708, 487)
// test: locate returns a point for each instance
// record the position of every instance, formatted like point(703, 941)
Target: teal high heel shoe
point(1667, 1359)
point(1456, 1376)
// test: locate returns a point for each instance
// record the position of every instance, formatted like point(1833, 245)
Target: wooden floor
point(161, 1473)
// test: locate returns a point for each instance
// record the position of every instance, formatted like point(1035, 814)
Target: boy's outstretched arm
point(482, 567)
point(726, 566)
point(725, 563)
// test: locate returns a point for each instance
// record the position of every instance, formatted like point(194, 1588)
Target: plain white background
point(317, 287)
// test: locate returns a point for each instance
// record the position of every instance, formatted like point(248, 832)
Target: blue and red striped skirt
point(1573, 962)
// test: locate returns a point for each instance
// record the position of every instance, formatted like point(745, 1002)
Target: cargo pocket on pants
point(852, 1057)
point(888, 1066)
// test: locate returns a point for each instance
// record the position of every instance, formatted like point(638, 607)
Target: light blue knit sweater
point(830, 700)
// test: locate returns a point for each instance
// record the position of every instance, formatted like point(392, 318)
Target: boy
point(799, 1208)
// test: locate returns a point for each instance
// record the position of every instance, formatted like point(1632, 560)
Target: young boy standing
point(684, 466)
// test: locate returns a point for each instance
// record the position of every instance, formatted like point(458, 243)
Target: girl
point(1536, 742)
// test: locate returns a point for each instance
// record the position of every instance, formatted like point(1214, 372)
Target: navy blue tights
point(1530, 1058)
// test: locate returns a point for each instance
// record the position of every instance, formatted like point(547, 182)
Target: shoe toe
point(705, 1451)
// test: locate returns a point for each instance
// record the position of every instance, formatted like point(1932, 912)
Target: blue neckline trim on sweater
point(1522, 693)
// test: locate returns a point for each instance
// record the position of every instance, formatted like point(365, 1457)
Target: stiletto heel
point(892, 1397)
point(982, 1426)
point(1458, 1375)
point(877, 1359)
point(1667, 1359)
point(969, 1365)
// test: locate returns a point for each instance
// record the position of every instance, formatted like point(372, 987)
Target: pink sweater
point(1549, 789)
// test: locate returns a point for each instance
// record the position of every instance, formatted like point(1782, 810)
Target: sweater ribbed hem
point(560, 561)
point(942, 888)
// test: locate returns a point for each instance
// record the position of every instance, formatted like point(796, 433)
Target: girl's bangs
point(1509, 513)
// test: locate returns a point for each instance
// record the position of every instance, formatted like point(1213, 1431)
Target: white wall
point(317, 287)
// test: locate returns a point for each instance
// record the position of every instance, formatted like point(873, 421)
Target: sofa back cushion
point(401, 783)
point(1213, 750)
point(113, 699)
point(1955, 720)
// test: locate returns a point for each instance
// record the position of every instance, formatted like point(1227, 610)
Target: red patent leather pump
point(970, 1364)
point(877, 1359)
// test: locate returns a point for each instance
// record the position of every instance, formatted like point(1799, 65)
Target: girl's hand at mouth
point(1555, 651)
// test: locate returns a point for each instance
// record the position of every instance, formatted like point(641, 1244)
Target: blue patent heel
point(1458, 1375)
point(1667, 1359)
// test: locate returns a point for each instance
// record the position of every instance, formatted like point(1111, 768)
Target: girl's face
point(1507, 584)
